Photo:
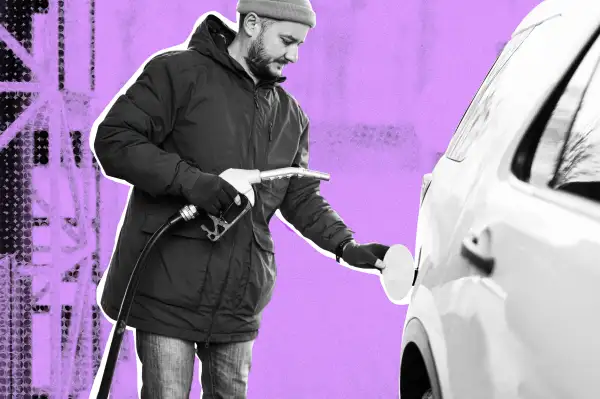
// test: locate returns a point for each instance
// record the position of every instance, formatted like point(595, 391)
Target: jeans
point(168, 367)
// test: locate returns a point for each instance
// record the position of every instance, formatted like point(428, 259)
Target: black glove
point(364, 256)
point(212, 194)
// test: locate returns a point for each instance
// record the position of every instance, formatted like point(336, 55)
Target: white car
point(506, 302)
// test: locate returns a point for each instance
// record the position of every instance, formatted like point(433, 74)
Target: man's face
point(274, 45)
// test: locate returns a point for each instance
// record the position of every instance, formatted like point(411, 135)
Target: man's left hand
point(365, 256)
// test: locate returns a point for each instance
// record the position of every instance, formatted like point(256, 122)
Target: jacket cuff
point(340, 237)
point(187, 179)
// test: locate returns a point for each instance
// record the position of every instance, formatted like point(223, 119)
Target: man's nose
point(292, 54)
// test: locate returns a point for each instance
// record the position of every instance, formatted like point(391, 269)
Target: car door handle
point(476, 249)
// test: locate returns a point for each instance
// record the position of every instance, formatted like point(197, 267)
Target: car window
point(567, 157)
point(472, 122)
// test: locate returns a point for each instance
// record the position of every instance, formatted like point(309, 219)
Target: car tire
point(418, 374)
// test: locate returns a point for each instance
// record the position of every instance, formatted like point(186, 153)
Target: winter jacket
point(198, 110)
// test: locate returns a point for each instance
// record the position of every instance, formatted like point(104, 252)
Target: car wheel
point(428, 394)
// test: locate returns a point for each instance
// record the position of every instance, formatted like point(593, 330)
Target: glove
point(212, 194)
point(364, 256)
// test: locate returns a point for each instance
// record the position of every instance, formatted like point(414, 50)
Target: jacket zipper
point(256, 108)
point(213, 316)
point(216, 309)
point(271, 124)
point(218, 305)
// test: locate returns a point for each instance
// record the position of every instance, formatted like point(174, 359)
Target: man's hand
point(213, 194)
point(365, 256)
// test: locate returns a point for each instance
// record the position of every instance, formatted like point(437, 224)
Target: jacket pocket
point(260, 276)
point(175, 270)
point(240, 284)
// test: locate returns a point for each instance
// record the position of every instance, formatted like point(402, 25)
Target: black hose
point(121, 324)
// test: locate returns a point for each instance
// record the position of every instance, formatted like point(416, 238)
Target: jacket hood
point(212, 37)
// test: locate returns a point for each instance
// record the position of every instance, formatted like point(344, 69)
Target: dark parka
point(198, 110)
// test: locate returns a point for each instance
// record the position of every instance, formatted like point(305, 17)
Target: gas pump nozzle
point(242, 180)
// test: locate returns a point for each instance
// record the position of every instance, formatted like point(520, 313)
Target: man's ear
point(251, 24)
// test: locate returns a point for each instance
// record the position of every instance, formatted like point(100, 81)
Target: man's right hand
point(213, 194)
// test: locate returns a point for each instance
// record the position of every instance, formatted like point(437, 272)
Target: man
point(189, 116)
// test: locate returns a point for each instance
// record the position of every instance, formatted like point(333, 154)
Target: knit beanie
point(286, 10)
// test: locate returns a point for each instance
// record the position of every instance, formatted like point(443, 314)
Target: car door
point(445, 190)
point(525, 318)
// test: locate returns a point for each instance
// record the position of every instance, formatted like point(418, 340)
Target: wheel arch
point(418, 371)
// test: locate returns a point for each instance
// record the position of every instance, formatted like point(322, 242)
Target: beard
point(258, 60)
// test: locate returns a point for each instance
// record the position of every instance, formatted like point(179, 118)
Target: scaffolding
point(50, 324)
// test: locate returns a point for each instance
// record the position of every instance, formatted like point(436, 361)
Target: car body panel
point(482, 340)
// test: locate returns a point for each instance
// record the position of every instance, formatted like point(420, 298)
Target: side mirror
point(399, 273)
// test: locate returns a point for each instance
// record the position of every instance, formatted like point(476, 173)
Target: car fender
point(423, 327)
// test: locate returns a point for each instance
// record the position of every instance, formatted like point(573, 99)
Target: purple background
point(384, 82)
